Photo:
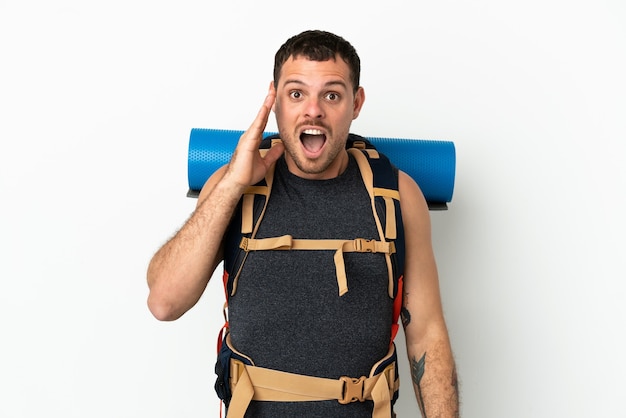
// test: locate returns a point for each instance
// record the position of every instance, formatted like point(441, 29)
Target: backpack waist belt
point(286, 242)
point(260, 384)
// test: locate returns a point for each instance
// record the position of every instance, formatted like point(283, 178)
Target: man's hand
point(246, 166)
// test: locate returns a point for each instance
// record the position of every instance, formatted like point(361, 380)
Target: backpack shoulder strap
point(381, 179)
point(250, 213)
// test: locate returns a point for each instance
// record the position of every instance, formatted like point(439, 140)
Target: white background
point(97, 100)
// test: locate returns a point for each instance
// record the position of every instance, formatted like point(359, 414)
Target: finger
point(260, 122)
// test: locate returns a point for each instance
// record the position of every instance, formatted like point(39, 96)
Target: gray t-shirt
point(287, 313)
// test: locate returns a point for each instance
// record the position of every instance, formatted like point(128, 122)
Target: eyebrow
point(327, 84)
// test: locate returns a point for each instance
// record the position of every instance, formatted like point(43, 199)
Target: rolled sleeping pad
point(430, 163)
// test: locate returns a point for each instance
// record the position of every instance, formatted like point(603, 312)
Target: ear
point(359, 99)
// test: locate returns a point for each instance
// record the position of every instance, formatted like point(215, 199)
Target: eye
point(332, 96)
point(295, 94)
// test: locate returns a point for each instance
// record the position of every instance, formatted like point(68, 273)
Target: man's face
point(315, 105)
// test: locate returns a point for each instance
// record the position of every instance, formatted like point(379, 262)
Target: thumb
point(274, 153)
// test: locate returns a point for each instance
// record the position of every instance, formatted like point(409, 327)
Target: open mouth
point(312, 140)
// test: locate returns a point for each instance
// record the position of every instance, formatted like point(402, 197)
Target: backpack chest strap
point(287, 242)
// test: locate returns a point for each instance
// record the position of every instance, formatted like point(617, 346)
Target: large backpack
point(380, 177)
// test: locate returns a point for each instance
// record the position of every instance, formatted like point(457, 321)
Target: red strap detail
point(397, 308)
point(220, 337)
point(394, 331)
point(225, 281)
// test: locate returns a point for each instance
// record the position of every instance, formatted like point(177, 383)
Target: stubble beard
point(307, 166)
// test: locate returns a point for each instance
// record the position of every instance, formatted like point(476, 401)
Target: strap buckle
point(362, 245)
point(352, 389)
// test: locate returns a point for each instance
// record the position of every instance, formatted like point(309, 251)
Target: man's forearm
point(435, 382)
point(180, 270)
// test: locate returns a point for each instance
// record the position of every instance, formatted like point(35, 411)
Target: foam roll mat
point(430, 163)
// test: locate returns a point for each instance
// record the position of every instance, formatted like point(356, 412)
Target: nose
point(313, 108)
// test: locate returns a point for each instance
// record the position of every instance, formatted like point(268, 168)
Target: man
point(286, 314)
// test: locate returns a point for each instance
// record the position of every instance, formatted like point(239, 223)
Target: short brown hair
point(317, 45)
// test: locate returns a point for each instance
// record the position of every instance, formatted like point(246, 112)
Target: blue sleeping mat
point(430, 163)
